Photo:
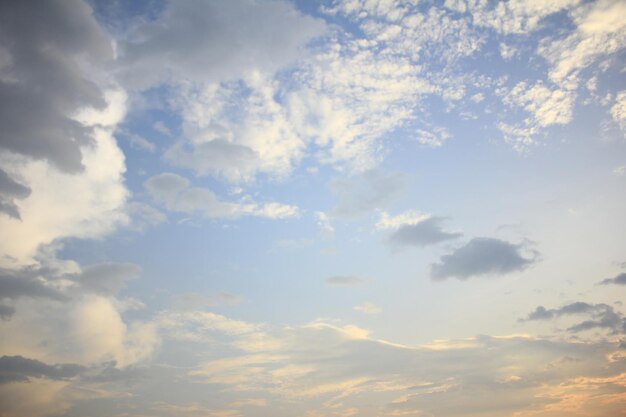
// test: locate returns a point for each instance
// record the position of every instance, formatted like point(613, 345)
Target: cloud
point(345, 281)
point(216, 157)
point(618, 110)
point(482, 256)
point(513, 17)
point(107, 278)
point(86, 205)
point(328, 369)
point(20, 369)
point(6, 311)
point(367, 308)
point(599, 32)
point(619, 280)
point(603, 316)
point(177, 194)
point(423, 233)
point(200, 42)
point(29, 282)
point(9, 190)
point(366, 192)
point(434, 138)
point(46, 51)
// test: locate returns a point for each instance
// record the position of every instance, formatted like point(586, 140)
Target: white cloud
point(516, 16)
point(600, 32)
point(434, 138)
point(84, 205)
point(367, 308)
point(618, 110)
point(410, 217)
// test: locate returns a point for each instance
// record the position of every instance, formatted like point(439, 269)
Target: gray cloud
point(541, 313)
point(426, 232)
point(6, 312)
point(177, 194)
point(481, 256)
point(28, 282)
point(366, 192)
point(42, 78)
point(619, 280)
point(21, 369)
point(217, 157)
point(345, 281)
point(215, 41)
point(10, 190)
point(107, 278)
point(603, 316)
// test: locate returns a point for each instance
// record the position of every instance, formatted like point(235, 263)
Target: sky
point(301, 208)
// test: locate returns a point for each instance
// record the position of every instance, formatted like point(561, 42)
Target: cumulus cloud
point(46, 51)
point(619, 280)
point(29, 282)
point(483, 256)
point(61, 204)
point(177, 194)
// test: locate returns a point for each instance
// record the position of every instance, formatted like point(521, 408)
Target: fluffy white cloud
point(61, 204)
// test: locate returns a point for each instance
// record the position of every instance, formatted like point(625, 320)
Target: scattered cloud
point(619, 280)
point(483, 256)
point(434, 138)
point(177, 194)
point(603, 316)
point(367, 308)
point(427, 231)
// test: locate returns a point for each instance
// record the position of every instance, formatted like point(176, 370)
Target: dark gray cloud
point(28, 282)
point(366, 192)
point(603, 316)
point(44, 47)
point(215, 41)
point(9, 191)
point(21, 369)
point(426, 232)
point(107, 278)
point(104, 279)
point(482, 256)
point(579, 307)
point(345, 281)
point(6, 312)
point(619, 280)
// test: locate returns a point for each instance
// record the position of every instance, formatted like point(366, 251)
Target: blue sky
point(337, 208)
